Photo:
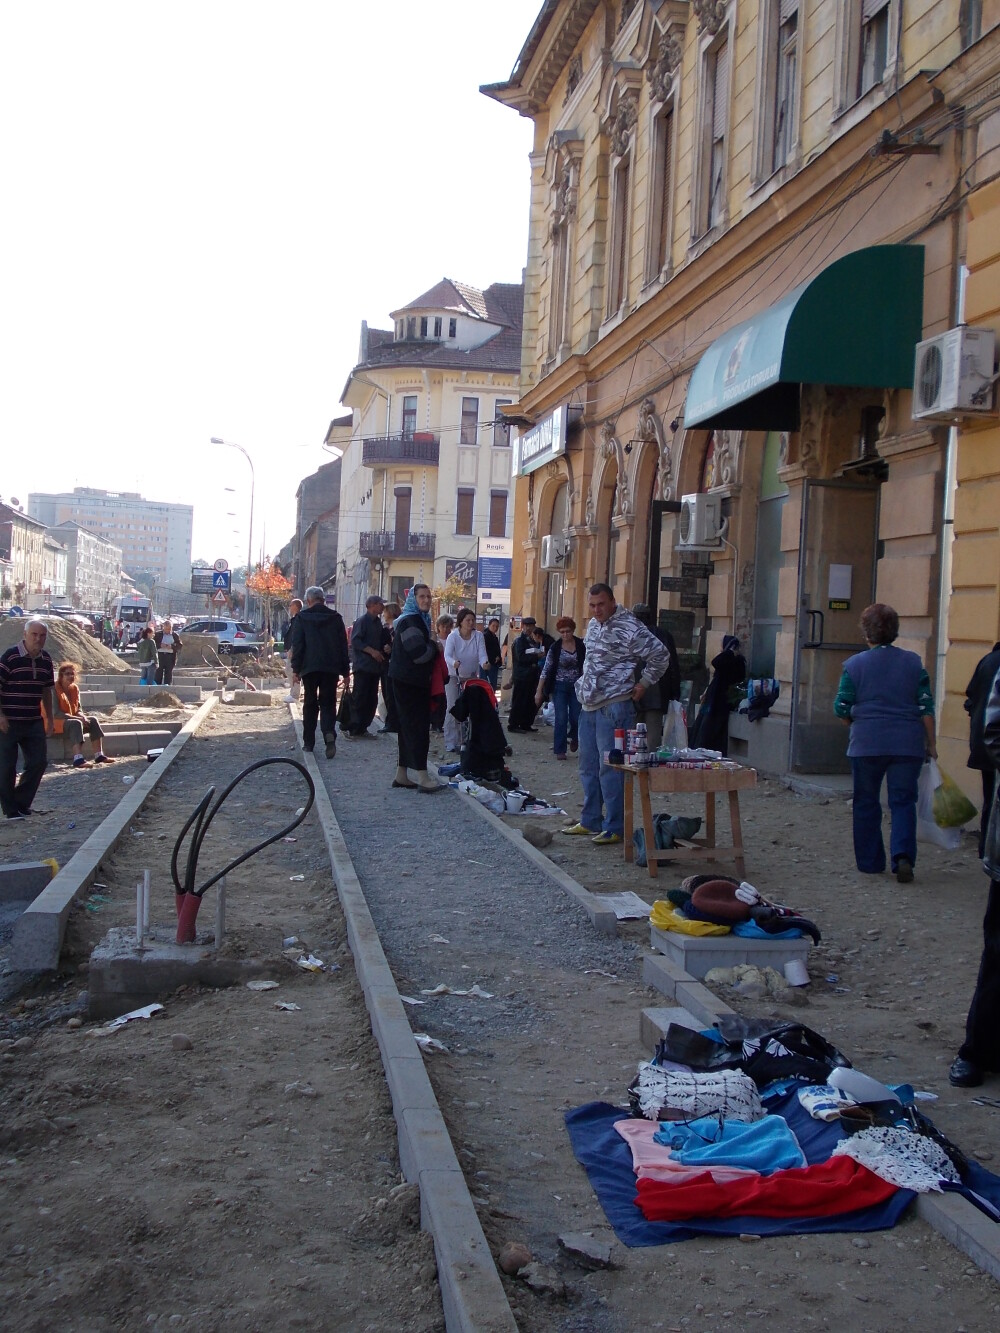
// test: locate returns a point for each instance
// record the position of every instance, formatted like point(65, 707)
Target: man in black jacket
point(319, 656)
point(368, 660)
point(527, 657)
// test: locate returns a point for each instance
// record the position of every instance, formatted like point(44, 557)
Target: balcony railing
point(420, 447)
point(393, 545)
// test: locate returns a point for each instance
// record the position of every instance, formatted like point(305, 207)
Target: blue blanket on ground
point(607, 1159)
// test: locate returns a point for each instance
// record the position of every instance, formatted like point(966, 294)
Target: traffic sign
point(221, 565)
point(201, 579)
point(220, 598)
point(221, 580)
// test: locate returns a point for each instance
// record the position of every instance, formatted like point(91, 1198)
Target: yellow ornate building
point(744, 217)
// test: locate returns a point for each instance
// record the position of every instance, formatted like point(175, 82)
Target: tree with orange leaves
point(272, 588)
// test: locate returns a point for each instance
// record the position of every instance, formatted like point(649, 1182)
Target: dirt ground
point(249, 1181)
point(254, 1177)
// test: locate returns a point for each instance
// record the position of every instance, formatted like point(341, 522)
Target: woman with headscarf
point(414, 651)
point(711, 726)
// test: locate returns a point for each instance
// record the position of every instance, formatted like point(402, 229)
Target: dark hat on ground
point(716, 901)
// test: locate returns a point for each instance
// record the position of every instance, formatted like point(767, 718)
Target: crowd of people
point(622, 670)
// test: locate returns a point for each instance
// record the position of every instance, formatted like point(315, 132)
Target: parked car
point(235, 636)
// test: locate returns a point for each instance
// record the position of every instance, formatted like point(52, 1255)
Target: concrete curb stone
point(472, 1294)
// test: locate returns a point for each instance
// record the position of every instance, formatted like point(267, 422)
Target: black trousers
point(413, 708)
point(165, 668)
point(319, 700)
point(364, 700)
point(989, 777)
point(29, 738)
point(391, 718)
point(982, 1027)
point(522, 703)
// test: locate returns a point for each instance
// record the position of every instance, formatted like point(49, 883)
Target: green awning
point(856, 323)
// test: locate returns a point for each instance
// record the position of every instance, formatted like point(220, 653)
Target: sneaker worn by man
point(331, 745)
point(80, 762)
point(964, 1073)
point(606, 839)
point(578, 831)
point(103, 758)
point(904, 870)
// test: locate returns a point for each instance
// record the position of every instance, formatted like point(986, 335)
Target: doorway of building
point(837, 554)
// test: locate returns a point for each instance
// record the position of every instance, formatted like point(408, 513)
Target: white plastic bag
point(927, 831)
point(675, 732)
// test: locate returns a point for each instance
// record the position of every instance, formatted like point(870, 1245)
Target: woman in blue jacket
point(885, 695)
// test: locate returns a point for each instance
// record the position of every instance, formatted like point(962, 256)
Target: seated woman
point(71, 723)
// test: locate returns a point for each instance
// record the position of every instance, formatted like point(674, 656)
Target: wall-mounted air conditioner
point(953, 375)
point(556, 549)
point(701, 522)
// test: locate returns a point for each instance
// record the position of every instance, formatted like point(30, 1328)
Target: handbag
point(344, 708)
point(928, 829)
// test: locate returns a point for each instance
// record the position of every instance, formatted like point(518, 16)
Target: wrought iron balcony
point(393, 545)
point(419, 447)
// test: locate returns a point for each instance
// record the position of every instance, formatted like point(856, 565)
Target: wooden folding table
point(665, 778)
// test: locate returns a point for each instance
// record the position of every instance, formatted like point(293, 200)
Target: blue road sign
point(221, 580)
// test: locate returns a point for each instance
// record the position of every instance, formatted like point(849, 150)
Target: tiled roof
point(504, 303)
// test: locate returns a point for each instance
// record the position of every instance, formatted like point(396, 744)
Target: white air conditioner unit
point(555, 552)
point(702, 524)
point(953, 375)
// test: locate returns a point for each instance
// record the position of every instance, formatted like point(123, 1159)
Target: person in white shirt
point(465, 656)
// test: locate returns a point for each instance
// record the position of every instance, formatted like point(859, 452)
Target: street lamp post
point(231, 444)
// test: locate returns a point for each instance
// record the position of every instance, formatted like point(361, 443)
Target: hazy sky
point(203, 200)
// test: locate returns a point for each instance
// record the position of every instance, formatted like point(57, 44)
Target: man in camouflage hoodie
point(623, 659)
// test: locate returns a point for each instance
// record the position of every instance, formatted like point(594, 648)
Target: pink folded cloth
point(653, 1161)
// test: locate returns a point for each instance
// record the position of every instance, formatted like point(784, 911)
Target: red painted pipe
point(190, 902)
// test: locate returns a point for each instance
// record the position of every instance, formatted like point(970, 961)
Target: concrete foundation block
point(91, 699)
point(24, 880)
point(188, 694)
point(697, 955)
point(251, 698)
point(653, 1023)
point(123, 977)
point(424, 1143)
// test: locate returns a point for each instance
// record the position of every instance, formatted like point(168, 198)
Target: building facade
point(744, 216)
point(22, 546)
point(426, 471)
point(93, 566)
point(154, 537)
point(317, 518)
point(55, 570)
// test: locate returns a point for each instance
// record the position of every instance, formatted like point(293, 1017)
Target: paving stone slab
point(23, 880)
point(698, 955)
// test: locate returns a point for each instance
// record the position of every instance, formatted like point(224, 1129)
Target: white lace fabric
point(901, 1157)
point(695, 1094)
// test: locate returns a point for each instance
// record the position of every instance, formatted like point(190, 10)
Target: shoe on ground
point(80, 762)
point(103, 759)
point(308, 748)
point(606, 839)
point(574, 746)
point(578, 831)
point(17, 815)
point(289, 699)
point(964, 1073)
point(560, 756)
point(904, 870)
point(331, 745)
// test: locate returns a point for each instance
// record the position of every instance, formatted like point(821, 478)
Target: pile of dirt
point(65, 642)
point(162, 699)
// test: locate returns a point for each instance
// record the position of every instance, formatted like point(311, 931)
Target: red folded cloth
point(839, 1185)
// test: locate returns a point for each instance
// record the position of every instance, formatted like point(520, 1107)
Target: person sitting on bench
point(71, 722)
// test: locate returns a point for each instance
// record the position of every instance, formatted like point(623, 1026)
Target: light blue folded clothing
point(749, 930)
point(764, 1145)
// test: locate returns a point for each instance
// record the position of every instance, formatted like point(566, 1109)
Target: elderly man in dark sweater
point(26, 683)
point(319, 656)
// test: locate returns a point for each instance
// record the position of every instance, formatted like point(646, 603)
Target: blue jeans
point(901, 774)
point(601, 785)
point(147, 673)
point(492, 674)
point(567, 707)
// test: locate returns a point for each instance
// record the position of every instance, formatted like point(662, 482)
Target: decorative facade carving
point(649, 427)
point(727, 454)
point(564, 195)
point(628, 8)
point(665, 59)
point(573, 76)
point(611, 447)
point(623, 122)
point(711, 15)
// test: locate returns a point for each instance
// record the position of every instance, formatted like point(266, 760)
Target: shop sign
point(464, 571)
point(685, 586)
point(695, 601)
point(541, 444)
point(496, 556)
point(690, 570)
